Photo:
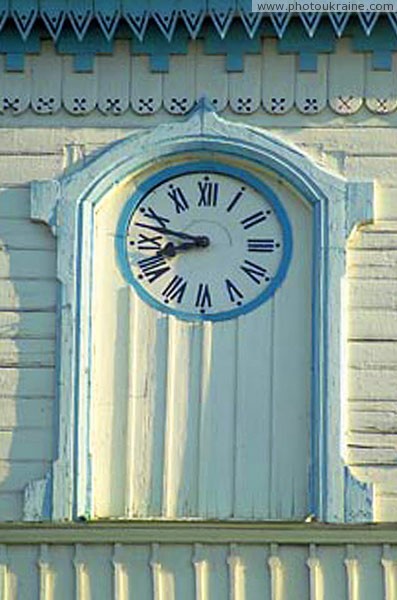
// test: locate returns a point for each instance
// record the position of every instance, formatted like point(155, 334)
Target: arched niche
point(82, 208)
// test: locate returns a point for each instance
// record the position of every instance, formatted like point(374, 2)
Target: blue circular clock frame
point(196, 167)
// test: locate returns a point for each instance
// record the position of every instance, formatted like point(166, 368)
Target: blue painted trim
point(194, 167)
point(77, 451)
point(358, 499)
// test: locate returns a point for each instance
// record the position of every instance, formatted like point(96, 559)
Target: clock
point(204, 241)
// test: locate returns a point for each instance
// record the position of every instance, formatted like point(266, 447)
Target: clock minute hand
point(200, 239)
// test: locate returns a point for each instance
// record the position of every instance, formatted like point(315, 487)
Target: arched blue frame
point(197, 167)
point(67, 205)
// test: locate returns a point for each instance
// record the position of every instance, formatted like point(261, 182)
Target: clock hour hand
point(170, 249)
point(200, 240)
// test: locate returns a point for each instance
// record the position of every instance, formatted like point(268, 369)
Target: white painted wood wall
point(28, 296)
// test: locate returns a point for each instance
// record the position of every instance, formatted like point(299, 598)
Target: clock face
point(204, 241)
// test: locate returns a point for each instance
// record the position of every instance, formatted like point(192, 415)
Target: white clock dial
point(210, 243)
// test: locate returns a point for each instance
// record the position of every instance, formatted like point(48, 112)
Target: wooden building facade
point(198, 318)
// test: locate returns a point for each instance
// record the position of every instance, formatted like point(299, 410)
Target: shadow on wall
point(27, 350)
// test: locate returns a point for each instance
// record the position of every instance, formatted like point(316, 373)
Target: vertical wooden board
point(245, 87)
point(291, 395)
point(177, 571)
point(380, 87)
point(333, 571)
point(114, 79)
point(345, 79)
point(23, 570)
point(15, 88)
point(278, 93)
point(218, 577)
point(311, 88)
point(144, 447)
point(61, 564)
point(46, 90)
point(295, 572)
point(253, 414)
point(100, 571)
point(146, 87)
point(110, 380)
point(109, 395)
point(138, 572)
point(79, 90)
point(370, 572)
point(211, 79)
point(256, 573)
point(217, 420)
point(179, 84)
point(182, 419)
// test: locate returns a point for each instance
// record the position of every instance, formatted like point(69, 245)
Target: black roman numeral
point(150, 213)
point(208, 192)
point(253, 219)
point(262, 245)
point(254, 271)
point(203, 299)
point(235, 295)
point(149, 242)
point(153, 267)
point(235, 199)
point(178, 197)
point(175, 289)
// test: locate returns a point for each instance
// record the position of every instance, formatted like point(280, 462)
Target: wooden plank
point(28, 382)
point(382, 441)
point(79, 90)
point(113, 79)
point(146, 411)
point(181, 449)
point(278, 93)
point(27, 353)
point(211, 78)
point(178, 84)
point(15, 203)
point(345, 79)
point(146, 86)
point(28, 167)
point(362, 455)
point(26, 444)
point(30, 325)
point(372, 293)
point(372, 258)
point(254, 414)
point(380, 87)
point(372, 384)
point(374, 239)
point(27, 294)
point(245, 86)
point(21, 412)
point(15, 475)
point(27, 264)
point(373, 421)
point(311, 88)
point(367, 355)
point(45, 90)
point(15, 87)
point(364, 271)
point(292, 383)
point(373, 324)
point(25, 235)
point(217, 420)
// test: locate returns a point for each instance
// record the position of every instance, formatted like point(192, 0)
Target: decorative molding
point(72, 200)
point(172, 77)
point(166, 16)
